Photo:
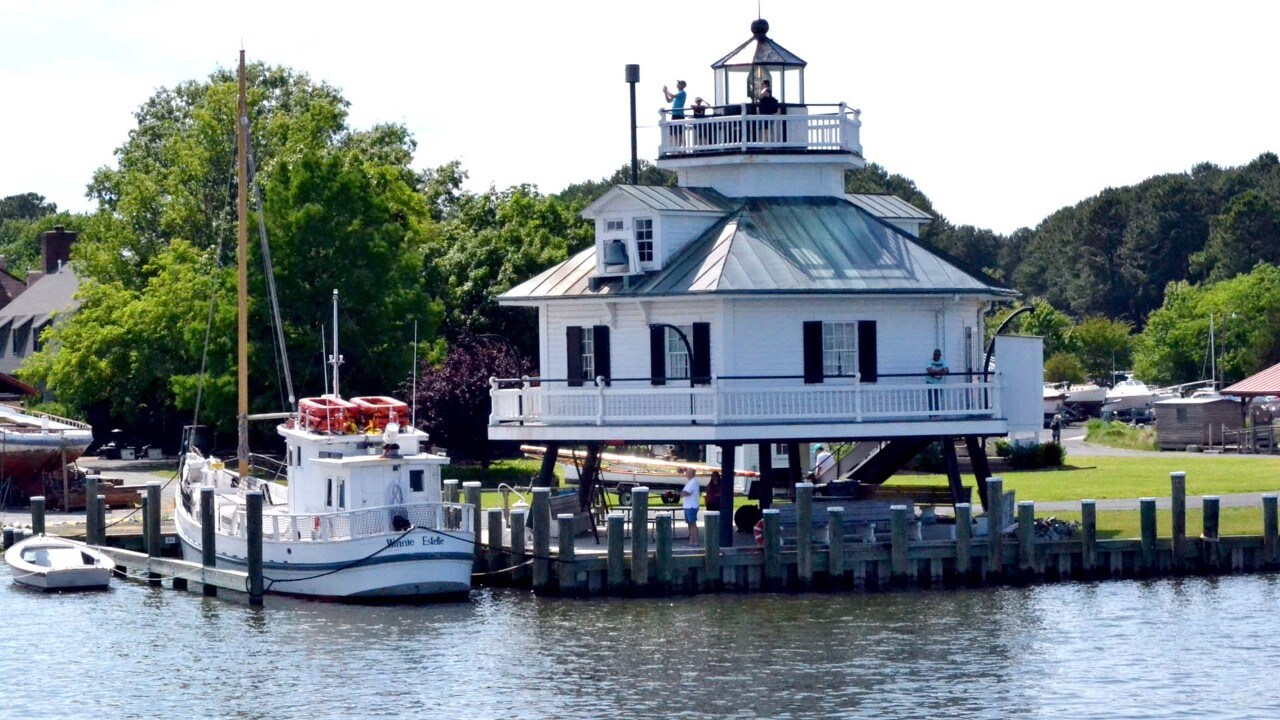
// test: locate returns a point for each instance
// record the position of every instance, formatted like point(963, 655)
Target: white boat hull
point(418, 562)
point(52, 563)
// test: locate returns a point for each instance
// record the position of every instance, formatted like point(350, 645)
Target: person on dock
point(689, 501)
point(713, 491)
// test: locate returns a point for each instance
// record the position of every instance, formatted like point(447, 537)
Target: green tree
point(1174, 346)
point(1246, 233)
point(1063, 367)
point(27, 206)
point(1103, 345)
point(342, 210)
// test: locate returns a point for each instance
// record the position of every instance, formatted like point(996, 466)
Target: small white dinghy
point(47, 562)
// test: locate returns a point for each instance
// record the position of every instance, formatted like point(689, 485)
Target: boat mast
point(242, 255)
point(335, 359)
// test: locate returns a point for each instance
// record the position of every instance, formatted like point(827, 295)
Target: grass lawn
point(1104, 477)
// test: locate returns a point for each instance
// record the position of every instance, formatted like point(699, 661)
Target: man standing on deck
point(936, 371)
point(689, 501)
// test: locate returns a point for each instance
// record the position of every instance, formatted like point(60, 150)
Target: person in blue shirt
point(677, 109)
point(936, 371)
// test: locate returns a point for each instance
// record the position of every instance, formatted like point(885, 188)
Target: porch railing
point(739, 128)
point(731, 401)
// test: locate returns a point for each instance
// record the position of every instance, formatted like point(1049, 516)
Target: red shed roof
point(1266, 382)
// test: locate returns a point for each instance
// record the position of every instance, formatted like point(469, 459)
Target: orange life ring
point(316, 525)
point(759, 533)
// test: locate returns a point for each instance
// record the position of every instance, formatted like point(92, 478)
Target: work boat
point(360, 514)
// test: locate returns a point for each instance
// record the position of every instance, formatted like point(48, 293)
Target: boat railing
point(354, 524)
point(75, 424)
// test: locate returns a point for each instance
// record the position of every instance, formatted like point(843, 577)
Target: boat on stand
point(360, 514)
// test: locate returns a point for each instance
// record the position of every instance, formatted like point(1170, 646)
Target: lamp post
point(633, 77)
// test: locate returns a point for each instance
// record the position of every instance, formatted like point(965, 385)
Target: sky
point(1001, 112)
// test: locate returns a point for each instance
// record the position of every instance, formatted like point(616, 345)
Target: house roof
point(1266, 382)
point(816, 245)
point(888, 207)
point(55, 292)
point(667, 199)
point(11, 385)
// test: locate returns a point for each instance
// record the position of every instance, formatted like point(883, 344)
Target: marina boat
point(361, 513)
point(1054, 397)
point(32, 444)
point(1129, 394)
point(624, 472)
point(1085, 394)
point(46, 562)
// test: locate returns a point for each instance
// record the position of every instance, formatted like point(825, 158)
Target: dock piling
point(1089, 536)
point(471, 491)
point(615, 528)
point(90, 509)
point(37, 515)
point(898, 557)
point(995, 519)
point(772, 548)
point(1147, 518)
point(1178, 506)
point(640, 536)
point(151, 527)
point(711, 550)
point(208, 536)
point(1270, 541)
point(567, 563)
point(1209, 538)
point(8, 537)
point(663, 532)
point(496, 560)
point(964, 537)
point(804, 533)
point(253, 527)
point(541, 508)
point(1027, 537)
point(518, 554)
point(835, 545)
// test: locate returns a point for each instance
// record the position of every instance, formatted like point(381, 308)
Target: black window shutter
point(867, 369)
point(600, 336)
point(813, 351)
point(657, 355)
point(700, 364)
point(573, 348)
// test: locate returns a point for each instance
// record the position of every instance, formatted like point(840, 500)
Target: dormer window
point(612, 226)
point(644, 240)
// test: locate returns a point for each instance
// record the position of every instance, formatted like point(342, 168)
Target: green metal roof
point(798, 246)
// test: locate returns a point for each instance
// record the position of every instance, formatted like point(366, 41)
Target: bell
point(615, 255)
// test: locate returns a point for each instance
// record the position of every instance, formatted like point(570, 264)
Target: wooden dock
point(833, 561)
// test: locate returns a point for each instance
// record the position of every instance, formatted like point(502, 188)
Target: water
point(1159, 649)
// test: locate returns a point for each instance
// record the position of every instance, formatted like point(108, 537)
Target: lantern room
point(757, 63)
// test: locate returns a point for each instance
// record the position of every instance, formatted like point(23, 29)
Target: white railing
point(739, 129)
point(739, 401)
point(349, 525)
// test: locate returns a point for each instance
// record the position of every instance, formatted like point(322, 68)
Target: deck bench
point(858, 517)
point(917, 494)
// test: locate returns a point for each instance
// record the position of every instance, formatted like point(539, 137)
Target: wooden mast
point(242, 251)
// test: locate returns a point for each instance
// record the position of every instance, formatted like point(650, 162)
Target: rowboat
point(47, 562)
point(627, 471)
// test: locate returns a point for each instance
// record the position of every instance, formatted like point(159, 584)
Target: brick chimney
point(55, 248)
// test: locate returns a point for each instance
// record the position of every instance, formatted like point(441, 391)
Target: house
point(758, 303)
point(50, 292)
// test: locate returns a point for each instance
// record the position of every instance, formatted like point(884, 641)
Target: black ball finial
point(759, 27)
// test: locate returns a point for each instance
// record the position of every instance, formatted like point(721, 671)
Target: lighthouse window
point(644, 239)
point(839, 349)
point(612, 226)
point(677, 353)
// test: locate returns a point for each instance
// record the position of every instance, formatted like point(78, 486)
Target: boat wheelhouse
point(759, 302)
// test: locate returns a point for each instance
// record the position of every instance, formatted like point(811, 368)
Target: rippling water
point(1159, 649)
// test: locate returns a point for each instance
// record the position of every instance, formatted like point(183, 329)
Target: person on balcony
point(677, 110)
point(689, 501)
point(936, 371)
point(701, 133)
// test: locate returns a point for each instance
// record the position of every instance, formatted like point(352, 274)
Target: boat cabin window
point(328, 492)
point(415, 481)
point(297, 456)
point(342, 494)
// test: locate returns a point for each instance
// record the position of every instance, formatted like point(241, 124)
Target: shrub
point(1026, 456)
point(1052, 454)
point(1002, 448)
